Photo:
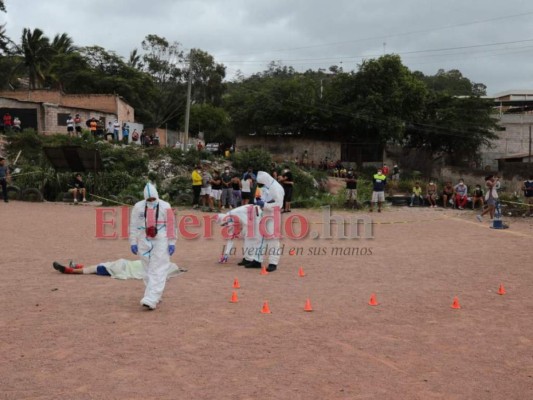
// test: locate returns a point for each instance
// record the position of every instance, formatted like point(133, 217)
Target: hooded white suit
point(247, 218)
point(272, 194)
point(153, 251)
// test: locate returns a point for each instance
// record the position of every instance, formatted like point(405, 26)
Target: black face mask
point(260, 185)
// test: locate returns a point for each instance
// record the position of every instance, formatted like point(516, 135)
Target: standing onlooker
point(126, 135)
point(246, 188)
point(491, 197)
point(125, 130)
point(17, 125)
point(416, 194)
point(395, 173)
point(527, 187)
point(477, 197)
point(227, 191)
point(351, 189)
point(77, 186)
point(378, 191)
point(287, 182)
point(447, 194)
point(110, 131)
point(236, 186)
point(116, 129)
point(7, 122)
point(385, 170)
point(143, 138)
point(77, 124)
point(153, 236)
point(5, 177)
point(196, 177)
point(216, 190)
point(70, 125)
point(461, 194)
point(93, 125)
point(431, 194)
point(205, 192)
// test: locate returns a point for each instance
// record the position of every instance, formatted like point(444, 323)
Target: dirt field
point(87, 337)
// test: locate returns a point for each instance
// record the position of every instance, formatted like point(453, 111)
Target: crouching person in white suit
point(242, 222)
point(271, 202)
point(153, 238)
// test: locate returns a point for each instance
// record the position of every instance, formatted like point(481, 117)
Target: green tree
point(38, 54)
point(212, 121)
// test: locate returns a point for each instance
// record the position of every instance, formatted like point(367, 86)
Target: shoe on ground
point(271, 267)
point(59, 267)
point(379, 209)
point(479, 218)
point(75, 200)
point(253, 264)
point(147, 305)
point(244, 261)
point(85, 200)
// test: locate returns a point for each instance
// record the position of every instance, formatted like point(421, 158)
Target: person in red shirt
point(385, 170)
point(7, 122)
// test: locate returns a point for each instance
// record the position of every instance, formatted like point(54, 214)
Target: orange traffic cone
point(501, 290)
point(455, 303)
point(234, 298)
point(307, 306)
point(236, 284)
point(266, 308)
point(373, 301)
point(301, 272)
point(263, 271)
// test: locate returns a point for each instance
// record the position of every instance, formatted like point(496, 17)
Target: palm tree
point(37, 54)
point(63, 44)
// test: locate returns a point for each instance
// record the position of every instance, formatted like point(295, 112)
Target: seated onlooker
point(461, 194)
point(477, 197)
point(447, 194)
point(416, 194)
point(77, 187)
point(431, 194)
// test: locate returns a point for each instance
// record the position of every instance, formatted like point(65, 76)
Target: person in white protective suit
point(153, 238)
point(271, 202)
point(242, 222)
point(118, 269)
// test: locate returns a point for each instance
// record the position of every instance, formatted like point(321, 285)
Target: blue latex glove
point(260, 203)
point(171, 249)
point(134, 249)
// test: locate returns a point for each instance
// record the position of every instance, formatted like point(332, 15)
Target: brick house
point(46, 111)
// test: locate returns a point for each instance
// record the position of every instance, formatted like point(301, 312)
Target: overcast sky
point(489, 41)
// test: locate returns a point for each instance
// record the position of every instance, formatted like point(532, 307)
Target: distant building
point(514, 111)
point(47, 111)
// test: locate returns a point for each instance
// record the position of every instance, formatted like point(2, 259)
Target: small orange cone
point(455, 304)
point(308, 306)
point(501, 290)
point(373, 301)
point(234, 298)
point(266, 308)
point(301, 272)
point(236, 284)
point(263, 271)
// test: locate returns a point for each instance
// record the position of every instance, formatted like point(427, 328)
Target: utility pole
point(188, 106)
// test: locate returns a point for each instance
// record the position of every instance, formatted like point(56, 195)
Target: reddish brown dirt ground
point(86, 337)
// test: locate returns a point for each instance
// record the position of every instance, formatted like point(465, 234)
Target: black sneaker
point(59, 267)
point(272, 267)
point(253, 264)
point(244, 262)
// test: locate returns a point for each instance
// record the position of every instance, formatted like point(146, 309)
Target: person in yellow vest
point(196, 177)
point(378, 192)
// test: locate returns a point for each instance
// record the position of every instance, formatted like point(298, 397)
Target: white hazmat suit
point(242, 222)
point(272, 194)
point(153, 251)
